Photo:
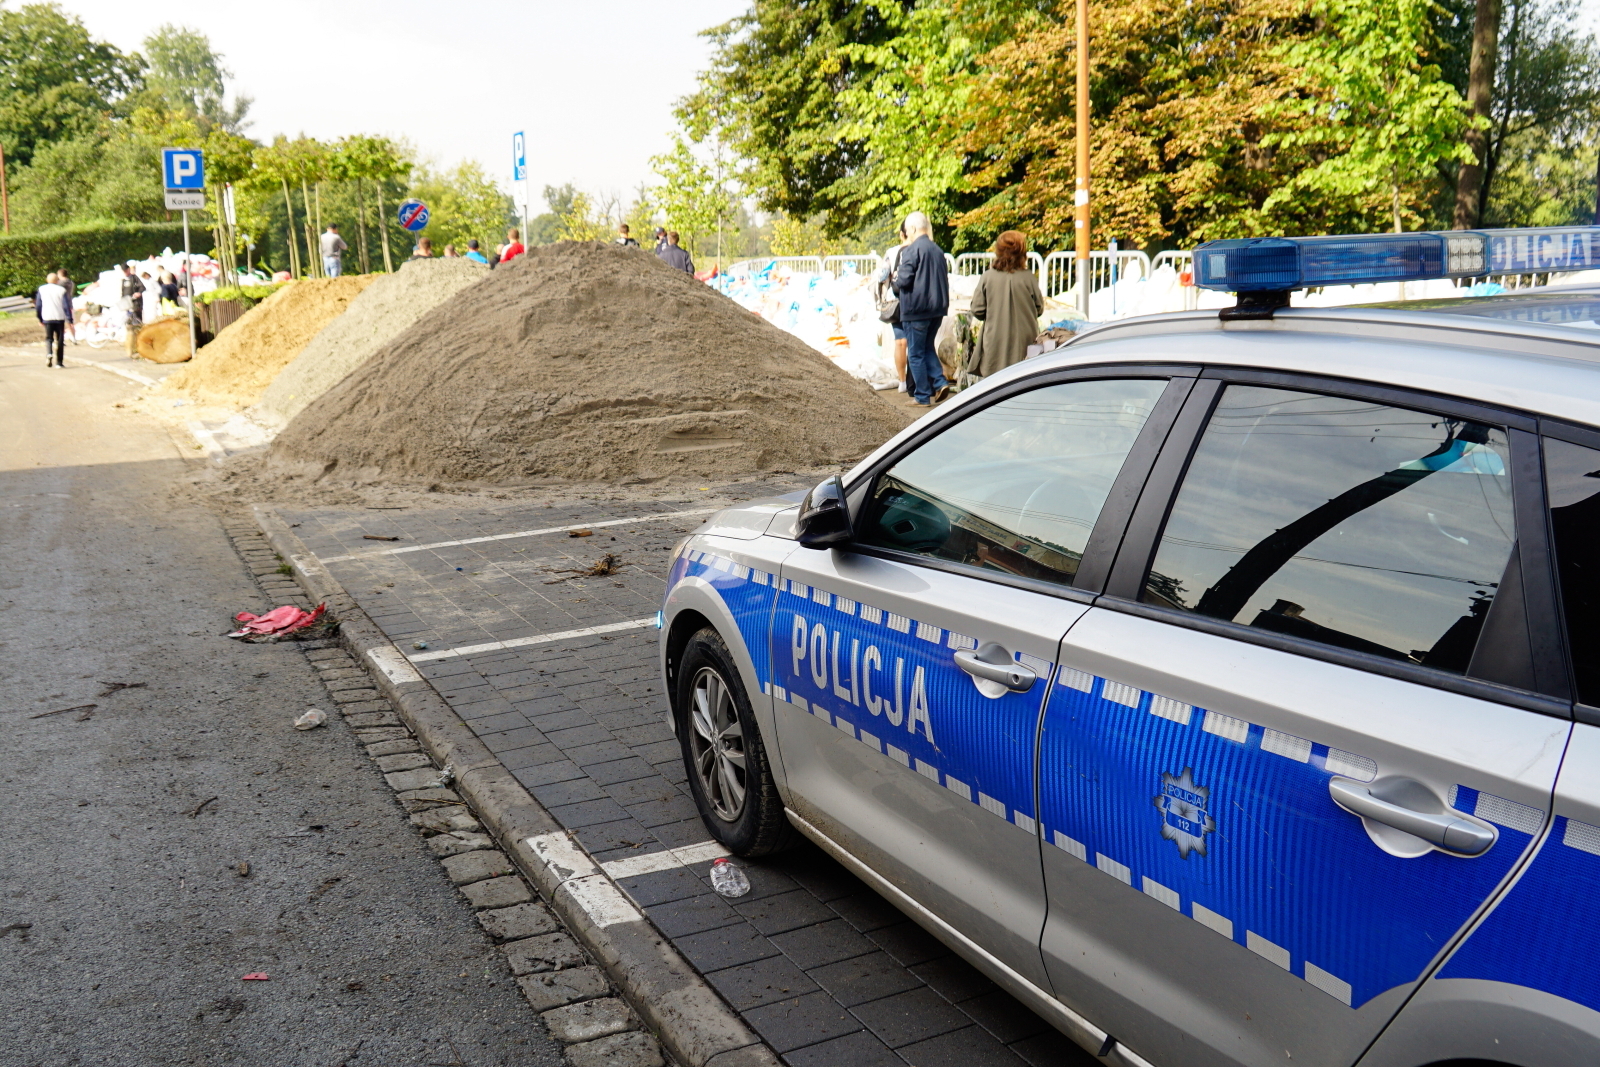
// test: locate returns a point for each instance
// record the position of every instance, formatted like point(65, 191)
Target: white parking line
point(523, 642)
point(671, 859)
point(521, 533)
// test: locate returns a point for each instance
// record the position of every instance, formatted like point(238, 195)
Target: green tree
point(463, 203)
point(773, 95)
point(1182, 115)
point(693, 195)
point(546, 228)
point(1547, 95)
point(1385, 118)
point(56, 82)
point(912, 105)
point(190, 76)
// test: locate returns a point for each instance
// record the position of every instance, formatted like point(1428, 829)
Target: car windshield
point(1578, 310)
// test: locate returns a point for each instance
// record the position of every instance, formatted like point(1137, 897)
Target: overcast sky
point(592, 81)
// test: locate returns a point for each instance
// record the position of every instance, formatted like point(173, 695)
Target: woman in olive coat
point(1008, 303)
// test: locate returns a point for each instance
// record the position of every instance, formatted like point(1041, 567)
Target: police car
point(1225, 686)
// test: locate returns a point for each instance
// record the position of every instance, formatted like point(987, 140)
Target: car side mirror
point(824, 519)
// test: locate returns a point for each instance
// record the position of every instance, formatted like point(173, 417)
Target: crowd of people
point(144, 296)
point(914, 298)
point(505, 253)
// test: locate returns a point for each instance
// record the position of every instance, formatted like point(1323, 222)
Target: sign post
point(519, 173)
point(183, 176)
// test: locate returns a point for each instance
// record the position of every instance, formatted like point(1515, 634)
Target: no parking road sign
point(183, 176)
point(413, 215)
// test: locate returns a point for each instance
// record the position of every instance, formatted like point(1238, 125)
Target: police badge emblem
point(1184, 818)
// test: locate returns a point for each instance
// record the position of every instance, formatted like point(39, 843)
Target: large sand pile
point(585, 362)
point(241, 362)
point(373, 319)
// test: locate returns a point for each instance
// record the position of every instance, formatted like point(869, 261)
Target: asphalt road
point(125, 923)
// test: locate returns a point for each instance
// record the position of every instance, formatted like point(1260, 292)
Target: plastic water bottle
point(728, 878)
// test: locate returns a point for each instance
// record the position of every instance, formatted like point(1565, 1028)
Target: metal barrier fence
point(797, 264)
point(841, 265)
point(971, 263)
point(1105, 268)
point(1183, 263)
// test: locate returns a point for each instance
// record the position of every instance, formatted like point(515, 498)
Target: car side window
point(1572, 481)
point(1351, 523)
point(1016, 487)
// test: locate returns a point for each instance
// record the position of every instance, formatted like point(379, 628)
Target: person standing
point(132, 304)
point(475, 254)
point(424, 249)
point(1008, 303)
point(885, 277)
point(513, 246)
point(674, 256)
point(333, 248)
point(661, 239)
point(64, 280)
point(50, 303)
point(624, 238)
point(168, 289)
point(923, 282)
point(151, 298)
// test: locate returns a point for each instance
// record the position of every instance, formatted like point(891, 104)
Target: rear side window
point(1572, 480)
point(1366, 527)
point(1016, 487)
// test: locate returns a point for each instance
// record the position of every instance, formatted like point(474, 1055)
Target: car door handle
point(992, 663)
point(1449, 832)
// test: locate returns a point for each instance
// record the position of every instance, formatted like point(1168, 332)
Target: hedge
point(87, 250)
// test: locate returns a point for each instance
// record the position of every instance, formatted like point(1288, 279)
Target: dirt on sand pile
point(373, 319)
point(585, 362)
point(234, 369)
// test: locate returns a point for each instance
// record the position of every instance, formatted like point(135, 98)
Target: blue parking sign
point(183, 168)
point(519, 157)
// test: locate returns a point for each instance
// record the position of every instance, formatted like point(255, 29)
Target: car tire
point(730, 777)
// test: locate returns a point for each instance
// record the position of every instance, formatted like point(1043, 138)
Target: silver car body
point(1026, 829)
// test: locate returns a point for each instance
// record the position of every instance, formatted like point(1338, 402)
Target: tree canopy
point(1211, 118)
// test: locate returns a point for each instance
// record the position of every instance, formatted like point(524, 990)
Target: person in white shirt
point(50, 304)
point(333, 247)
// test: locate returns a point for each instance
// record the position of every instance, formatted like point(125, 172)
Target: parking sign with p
point(183, 168)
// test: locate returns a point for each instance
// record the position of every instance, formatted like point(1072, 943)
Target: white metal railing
point(1105, 268)
point(970, 263)
point(842, 265)
point(796, 264)
point(1183, 263)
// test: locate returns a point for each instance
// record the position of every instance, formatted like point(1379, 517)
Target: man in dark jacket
point(923, 281)
point(133, 308)
point(675, 257)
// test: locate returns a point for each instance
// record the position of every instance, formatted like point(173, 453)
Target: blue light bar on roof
point(1282, 263)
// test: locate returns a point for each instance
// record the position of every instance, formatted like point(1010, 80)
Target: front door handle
point(1449, 832)
point(991, 663)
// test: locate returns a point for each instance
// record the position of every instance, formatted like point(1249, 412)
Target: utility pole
point(1080, 196)
point(5, 200)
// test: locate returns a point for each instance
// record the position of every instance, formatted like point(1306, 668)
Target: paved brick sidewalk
point(822, 967)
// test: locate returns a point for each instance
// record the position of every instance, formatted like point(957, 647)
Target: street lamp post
point(1080, 197)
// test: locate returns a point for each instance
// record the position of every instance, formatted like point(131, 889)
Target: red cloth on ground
point(284, 620)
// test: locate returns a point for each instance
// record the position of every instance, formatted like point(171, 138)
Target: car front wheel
point(729, 775)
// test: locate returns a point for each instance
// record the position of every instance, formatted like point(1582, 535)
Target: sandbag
point(165, 341)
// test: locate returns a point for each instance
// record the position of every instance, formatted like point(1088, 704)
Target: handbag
point(889, 310)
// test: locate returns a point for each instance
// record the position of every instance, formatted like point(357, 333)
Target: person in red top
point(512, 248)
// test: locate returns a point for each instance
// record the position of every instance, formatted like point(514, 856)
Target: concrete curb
point(695, 1025)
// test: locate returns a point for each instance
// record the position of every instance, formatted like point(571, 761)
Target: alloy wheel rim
point(716, 743)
